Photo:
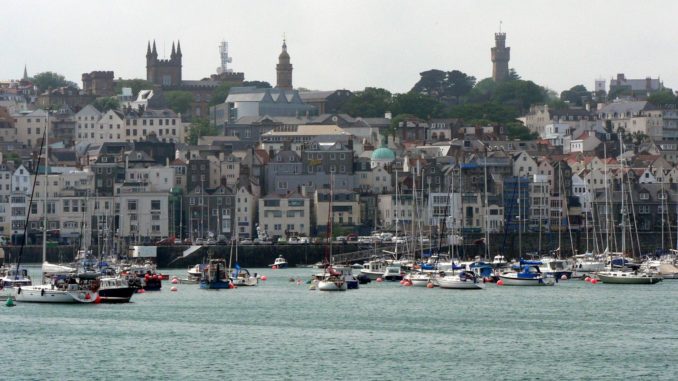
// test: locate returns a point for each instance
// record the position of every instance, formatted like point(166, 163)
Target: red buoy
point(500, 282)
point(87, 296)
point(174, 289)
point(230, 285)
point(175, 281)
point(97, 300)
point(429, 285)
point(141, 291)
point(379, 280)
point(563, 277)
point(264, 277)
point(274, 267)
point(587, 279)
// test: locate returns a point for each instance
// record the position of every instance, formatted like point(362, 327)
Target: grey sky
point(347, 44)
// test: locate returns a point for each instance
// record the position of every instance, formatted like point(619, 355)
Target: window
point(155, 204)
point(644, 196)
point(155, 228)
point(131, 204)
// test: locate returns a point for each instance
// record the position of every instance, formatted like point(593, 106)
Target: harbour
point(281, 330)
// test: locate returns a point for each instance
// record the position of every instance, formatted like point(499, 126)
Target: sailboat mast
point(487, 223)
point(623, 212)
point(44, 205)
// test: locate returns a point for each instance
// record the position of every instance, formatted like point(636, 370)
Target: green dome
point(383, 153)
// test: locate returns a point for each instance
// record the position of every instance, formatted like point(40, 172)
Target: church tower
point(164, 72)
point(500, 58)
point(284, 69)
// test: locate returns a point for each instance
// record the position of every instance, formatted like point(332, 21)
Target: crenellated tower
point(164, 72)
point(500, 58)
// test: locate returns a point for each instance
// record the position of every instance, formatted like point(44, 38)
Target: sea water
point(383, 331)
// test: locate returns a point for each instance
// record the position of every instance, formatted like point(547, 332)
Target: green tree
point(513, 75)
point(135, 84)
point(440, 84)
point(662, 98)
point(257, 84)
point(482, 91)
point(179, 101)
point(516, 130)
point(423, 106)
point(201, 127)
point(577, 95)
point(483, 113)
point(48, 79)
point(520, 94)
point(220, 94)
point(104, 104)
point(372, 102)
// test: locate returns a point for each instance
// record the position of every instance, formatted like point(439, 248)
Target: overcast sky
point(347, 44)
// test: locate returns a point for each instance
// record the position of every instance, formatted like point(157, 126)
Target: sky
point(347, 44)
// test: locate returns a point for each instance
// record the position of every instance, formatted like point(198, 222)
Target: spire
point(178, 48)
point(148, 49)
point(284, 46)
point(155, 51)
point(25, 78)
point(173, 50)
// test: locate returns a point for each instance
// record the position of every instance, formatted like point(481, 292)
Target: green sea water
point(281, 330)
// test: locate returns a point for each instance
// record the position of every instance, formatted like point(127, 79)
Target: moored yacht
point(115, 290)
point(462, 280)
point(628, 277)
point(279, 263)
point(374, 269)
point(527, 273)
point(62, 290)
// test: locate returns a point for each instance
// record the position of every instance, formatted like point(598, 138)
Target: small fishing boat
point(215, 275)
point(374, 269)
point(527, 273)
point(115, 290)
point(10, 277)
point(279, 263)
point(557, 267)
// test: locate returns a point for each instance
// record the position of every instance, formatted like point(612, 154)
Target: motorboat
point(351, 281)
point(462, 280)
point(10, 277)
point(556, 267)
point(422, 278)
point(664, 269)
point(115, 290)
point(71, 289)
point(279, 263)
point(393, 273)
point(215, 275)
point(587, 264)
point(242, 277)
point(527, 273)
point(628, 277)
point(374, 269)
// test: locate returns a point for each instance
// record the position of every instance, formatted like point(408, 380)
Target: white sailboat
point(332, 280)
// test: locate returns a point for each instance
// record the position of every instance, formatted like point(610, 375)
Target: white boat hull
point(372, 274)
point(454, 283)
point(46, 294)
point(628, 278)
point(515, 281)
point(245, 281)
point(332, 285)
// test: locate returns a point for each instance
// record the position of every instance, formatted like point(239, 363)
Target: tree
point(370, 103)
point(483, 114)
point(513, 75)
point(135, 84)
point(516, 130)
point(662, 98)
point(106, 103)
point(577, 95)
point(48, 79)
point(201, 127)
point(482, 91)
point(420, 105)
point(520, 94)
point(220, 94)
point(179, 101)
point(257, 84)
point(440, 84)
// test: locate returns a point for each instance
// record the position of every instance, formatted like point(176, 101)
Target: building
point(284, 216)
point(345, 208)
point(143, 213)
point(257, 102)
point(500, 54)
point(30, 127)
point(98, 83)
point(637, 88)
point(326, 102)
point(284, 70)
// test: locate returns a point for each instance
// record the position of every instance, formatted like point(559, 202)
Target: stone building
point(284, 69)
point(98, 83)
point(500, 58)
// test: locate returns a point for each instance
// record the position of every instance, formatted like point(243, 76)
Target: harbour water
point(281, 330)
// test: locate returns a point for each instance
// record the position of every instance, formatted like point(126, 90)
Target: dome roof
point(383, 153)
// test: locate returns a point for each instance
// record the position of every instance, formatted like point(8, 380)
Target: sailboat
point(332, 280)
point(60, 289)
point(624, 275)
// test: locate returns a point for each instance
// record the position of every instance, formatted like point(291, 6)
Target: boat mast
point(623, 212)
point(44, 205)
point(487, 223)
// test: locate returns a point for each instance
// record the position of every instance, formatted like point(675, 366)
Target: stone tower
point(284, 69)
point(163, 72)
point(500, 58)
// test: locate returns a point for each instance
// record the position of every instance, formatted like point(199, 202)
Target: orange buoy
point(500, 282)
point(429, 285)
point(174, 288)
point(97, 300)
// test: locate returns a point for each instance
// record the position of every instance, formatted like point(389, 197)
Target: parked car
point(245, 241)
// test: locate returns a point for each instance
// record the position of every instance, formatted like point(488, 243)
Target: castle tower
point(164, 72)
point(284, 69)
point(500, 58)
